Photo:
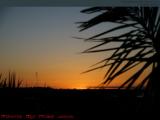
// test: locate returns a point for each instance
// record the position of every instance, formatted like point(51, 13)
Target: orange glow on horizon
point(72, 79)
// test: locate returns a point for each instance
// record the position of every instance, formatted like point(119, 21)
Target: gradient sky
point(40, 40)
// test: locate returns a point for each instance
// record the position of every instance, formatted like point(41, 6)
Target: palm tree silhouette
point(136, 33)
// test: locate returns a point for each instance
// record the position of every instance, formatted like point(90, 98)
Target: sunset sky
point(40, 40)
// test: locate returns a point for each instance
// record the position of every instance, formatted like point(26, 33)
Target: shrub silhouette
point(10, 81)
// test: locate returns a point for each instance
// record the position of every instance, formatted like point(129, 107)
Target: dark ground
point(71, 104)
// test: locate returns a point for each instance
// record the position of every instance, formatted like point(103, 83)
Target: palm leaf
point(142, 39)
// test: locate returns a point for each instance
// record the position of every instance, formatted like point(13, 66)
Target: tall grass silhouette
point(10, 81)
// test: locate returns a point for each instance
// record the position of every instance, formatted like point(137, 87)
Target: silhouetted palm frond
point(137, 43)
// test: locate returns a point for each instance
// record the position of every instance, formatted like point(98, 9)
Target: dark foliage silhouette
point(10, 81)
point(138, 38)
